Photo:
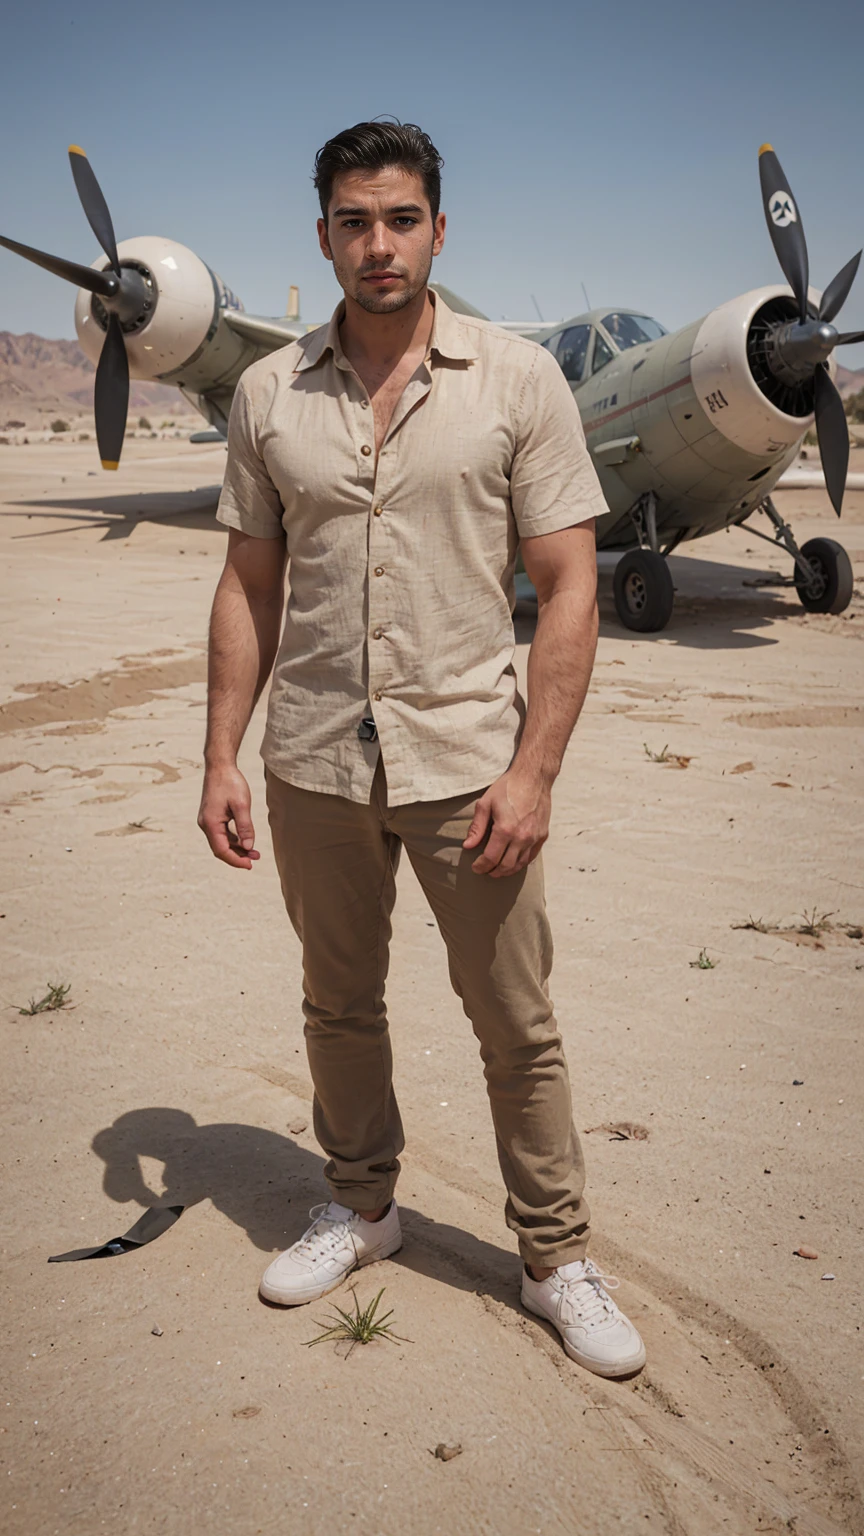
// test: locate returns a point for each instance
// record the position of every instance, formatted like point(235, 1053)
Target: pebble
point(447, 1452)
point(806, 1253)
point(829, 1276)
point(296, 1127)
point(157, 1331)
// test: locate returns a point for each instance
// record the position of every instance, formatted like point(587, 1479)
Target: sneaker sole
point(609, 1370)
point(285, 1299)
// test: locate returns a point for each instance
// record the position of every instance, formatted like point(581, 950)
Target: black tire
point(643, 591)
point(831, 591)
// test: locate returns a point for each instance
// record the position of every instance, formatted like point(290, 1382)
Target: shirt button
point(379, 570)
point(378, 511)
point(377, 634)
point(377, 698)
point(364, 405)
point(365, 450)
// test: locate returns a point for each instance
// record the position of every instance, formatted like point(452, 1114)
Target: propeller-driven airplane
point(689, 431)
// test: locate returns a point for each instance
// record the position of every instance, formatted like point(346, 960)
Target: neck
point(385, 338)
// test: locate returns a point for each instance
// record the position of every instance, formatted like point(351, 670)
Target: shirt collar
point(449, 338)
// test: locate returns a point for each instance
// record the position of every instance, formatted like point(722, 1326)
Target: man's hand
point(517, 807)
point(226, 799)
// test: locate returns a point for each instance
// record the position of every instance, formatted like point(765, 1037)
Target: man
point(396, 458)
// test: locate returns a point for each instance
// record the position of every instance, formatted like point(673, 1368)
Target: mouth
point(382, 279)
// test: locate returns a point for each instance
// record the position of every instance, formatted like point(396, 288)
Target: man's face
point(380, 237)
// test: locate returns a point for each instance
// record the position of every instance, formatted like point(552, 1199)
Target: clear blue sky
point(610, 145)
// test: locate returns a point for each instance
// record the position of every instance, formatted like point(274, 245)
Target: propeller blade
point(833, 434)
point(784, 226)
point(837, 292)
point(111, 395)
point(94, 204)
point(104, 283)
point(849, 338)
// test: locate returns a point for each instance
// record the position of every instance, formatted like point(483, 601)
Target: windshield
point(632, 330)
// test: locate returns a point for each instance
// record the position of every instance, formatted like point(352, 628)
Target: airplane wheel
point(643, 590)
point(830, 588)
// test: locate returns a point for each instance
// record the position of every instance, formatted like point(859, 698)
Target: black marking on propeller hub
point(135, 303)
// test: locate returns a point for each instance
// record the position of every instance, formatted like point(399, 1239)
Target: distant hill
point(849, 381)
point(38, 377)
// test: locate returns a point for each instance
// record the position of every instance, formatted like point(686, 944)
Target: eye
point(351, 223)
point(405, 218)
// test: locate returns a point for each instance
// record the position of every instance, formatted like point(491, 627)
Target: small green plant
point(814, 924)
point(83, 437)
point(657, 757)
point(56, 997)
point(144, 424)
point(59, 425)
point(358, 1327)
point(704, 962)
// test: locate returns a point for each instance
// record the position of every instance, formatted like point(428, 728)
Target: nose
point(379, 246)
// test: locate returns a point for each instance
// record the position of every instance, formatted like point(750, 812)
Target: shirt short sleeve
point(249, 499)
point(553, 483)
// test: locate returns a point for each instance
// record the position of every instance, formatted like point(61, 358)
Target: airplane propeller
point(800, 350)
point(125, 296)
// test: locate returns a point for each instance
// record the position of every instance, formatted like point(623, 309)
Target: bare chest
point(385, 390)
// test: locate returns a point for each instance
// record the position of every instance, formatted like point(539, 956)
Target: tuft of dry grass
point(756, 925)
point(671, 759)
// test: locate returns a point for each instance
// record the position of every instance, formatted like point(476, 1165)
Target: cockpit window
point(632, 330)
point(603, 354)
point(570, 349)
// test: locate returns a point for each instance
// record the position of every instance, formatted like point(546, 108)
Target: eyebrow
point(353, 213)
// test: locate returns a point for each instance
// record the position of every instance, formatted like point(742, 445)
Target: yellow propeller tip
point(75, 149)
point(110, 464)
point(767, 149)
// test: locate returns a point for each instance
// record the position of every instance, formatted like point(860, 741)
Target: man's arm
point(563, 568)
point(244, 634)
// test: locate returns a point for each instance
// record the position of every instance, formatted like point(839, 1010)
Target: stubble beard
point(382, 303)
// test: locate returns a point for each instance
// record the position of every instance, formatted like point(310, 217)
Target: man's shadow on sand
point(265, 1183)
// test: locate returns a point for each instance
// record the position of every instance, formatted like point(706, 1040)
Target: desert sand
point(153, 1392)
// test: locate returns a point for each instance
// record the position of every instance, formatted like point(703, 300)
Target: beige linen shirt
point(401, 572)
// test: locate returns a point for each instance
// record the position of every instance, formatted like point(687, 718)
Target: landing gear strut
point(823, 571)
point(642, 586)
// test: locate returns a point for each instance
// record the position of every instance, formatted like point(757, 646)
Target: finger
point(492, 854)
point(514, 859)
point(241, 812)
point(479, 824)
point(217, 835)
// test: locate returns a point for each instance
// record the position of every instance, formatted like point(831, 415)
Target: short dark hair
point(372, 146)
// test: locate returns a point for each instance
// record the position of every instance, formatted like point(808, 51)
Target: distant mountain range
point(38, 377)
point(849, 381)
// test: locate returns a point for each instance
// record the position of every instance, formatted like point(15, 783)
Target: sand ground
point(154, 1393)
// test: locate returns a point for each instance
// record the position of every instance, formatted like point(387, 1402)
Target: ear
point(323, 241)
point(440, 227)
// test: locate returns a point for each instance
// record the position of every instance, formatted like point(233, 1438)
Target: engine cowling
point(178, 313)
point(737, 395)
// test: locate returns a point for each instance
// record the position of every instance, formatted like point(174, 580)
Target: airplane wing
point(267, 333)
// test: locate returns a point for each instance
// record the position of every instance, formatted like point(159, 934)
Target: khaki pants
point(337, 863)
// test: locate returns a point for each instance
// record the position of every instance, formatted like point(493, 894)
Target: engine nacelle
point(733, 389)
point(179, 314)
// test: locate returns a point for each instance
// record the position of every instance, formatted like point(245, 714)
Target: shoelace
point(316, 1240)
point(591, 1304)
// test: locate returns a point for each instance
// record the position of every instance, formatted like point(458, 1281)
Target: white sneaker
point(338, 1241)
point(595, 1333)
